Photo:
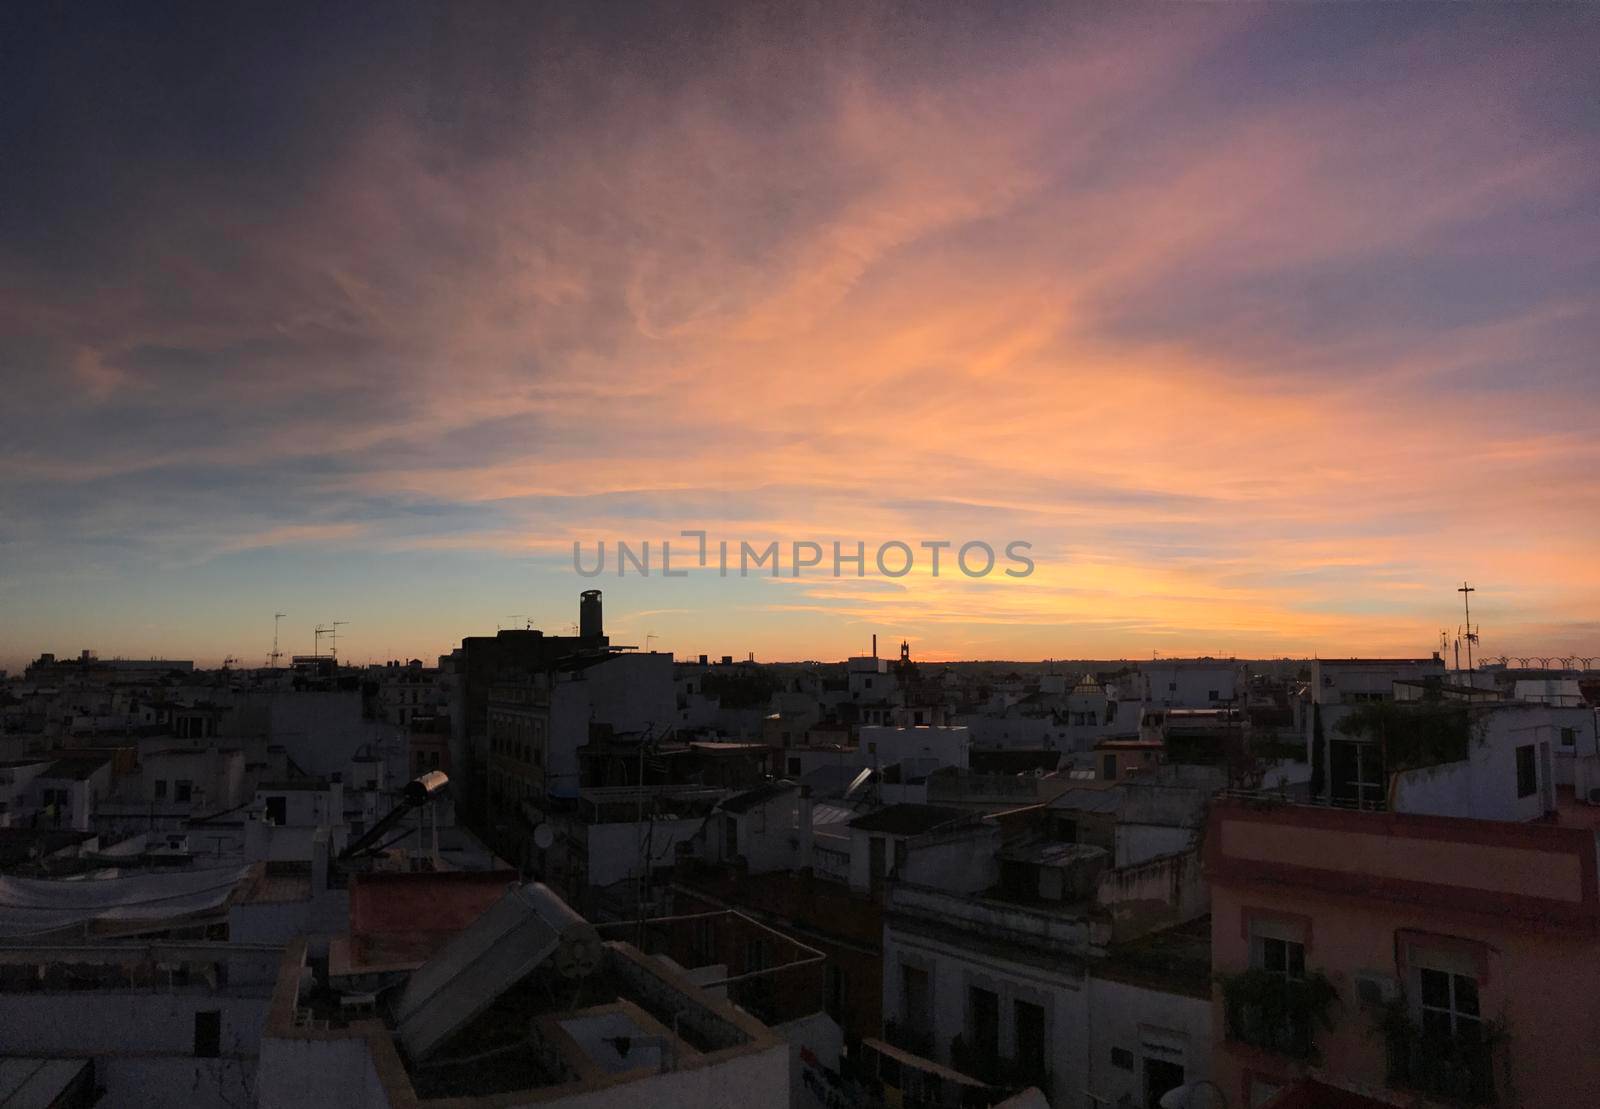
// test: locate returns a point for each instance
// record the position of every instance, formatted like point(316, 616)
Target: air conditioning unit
point(1375, 989)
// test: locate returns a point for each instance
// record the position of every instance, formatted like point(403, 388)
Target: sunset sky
point(1266, 324)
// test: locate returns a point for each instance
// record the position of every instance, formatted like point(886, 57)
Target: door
point(1030, 1053)
point(984, 1015)
point(1160, 1076)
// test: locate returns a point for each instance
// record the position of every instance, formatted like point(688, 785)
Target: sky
point(1266, 325)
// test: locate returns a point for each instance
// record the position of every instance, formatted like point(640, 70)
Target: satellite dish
point(578, 956)
point(543, 837)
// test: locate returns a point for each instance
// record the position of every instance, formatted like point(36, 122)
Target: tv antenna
point(276, 654)
point(1468, 632)
point(333, 635)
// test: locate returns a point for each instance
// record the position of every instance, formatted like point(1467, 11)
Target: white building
point(1189, 683)
point(1516, 755)
point(1025, 994)
point(952, 849)
point(629, 693)
point(15, 777)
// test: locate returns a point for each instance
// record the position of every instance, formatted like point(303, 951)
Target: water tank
point(426, 786)
point(590, 625)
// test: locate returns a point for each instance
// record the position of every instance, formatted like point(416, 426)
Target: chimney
point(874, 644)
point(807, 836)
point(590, 625)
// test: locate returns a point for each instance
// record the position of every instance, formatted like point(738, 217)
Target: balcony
point(1267, 1010)
point(918, 1041)
point(996, 1070)
point(1456, 1069)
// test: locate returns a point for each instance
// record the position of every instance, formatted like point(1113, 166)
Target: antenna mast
point(1469, 633)
point(276, 654)
point(333, 634)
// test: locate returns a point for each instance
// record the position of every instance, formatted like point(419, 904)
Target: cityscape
point(809, 556)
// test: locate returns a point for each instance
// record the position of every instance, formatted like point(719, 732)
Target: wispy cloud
point(1262, 353)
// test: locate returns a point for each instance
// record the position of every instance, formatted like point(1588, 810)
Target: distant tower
point(590, 625)
point(905, 652)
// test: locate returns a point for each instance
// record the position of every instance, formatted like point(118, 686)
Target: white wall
point(630, 692)
point(134, 1083)
point(1148, 1023)
point(958, 864)
point(949, 746)
point(1188, 685)
point(319, 1074)
point(820, 1037)
point(1484, 786)
point(111, 1022)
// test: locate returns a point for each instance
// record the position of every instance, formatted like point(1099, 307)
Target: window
point(182, 789)
point(1172, 687)
point(1527, 772)
point(1443, 1050)
point(1214, 695)
point(1108, 767)
point(1278, 960)
point(1285, 957)
point(160, 789)
point(1122, 1058)
point(208, 1033)
point(1449, 1005)
point(1569, 737)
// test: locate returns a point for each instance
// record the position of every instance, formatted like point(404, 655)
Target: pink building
point(1458, 960)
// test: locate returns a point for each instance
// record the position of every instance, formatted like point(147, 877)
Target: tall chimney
point(590, 625)
point(874, 644)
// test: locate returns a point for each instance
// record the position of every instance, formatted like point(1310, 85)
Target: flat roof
point(911, 819)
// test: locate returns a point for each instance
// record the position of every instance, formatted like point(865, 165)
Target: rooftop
point(1177, 959)
point(526, 1003)
point(76, 770)
point(1078, 799)
point(910, 819)
point(744, 802)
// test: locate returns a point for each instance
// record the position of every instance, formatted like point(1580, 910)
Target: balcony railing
point(918, 1041)
point(997, 1070)
point(1276, 1013)
point(1451, 1068)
